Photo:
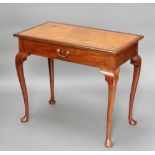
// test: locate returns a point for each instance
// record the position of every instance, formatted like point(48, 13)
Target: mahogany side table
point(104, 49)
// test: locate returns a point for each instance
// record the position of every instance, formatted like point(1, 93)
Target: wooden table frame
point(108, 62)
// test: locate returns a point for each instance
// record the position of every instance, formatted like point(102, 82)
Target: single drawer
point(76, 55)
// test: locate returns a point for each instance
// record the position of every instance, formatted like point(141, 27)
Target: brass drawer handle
point(62, 53)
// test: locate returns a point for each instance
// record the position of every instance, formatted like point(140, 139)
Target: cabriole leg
point(111, 77)
point(51, 76)
point(20, 58)
point(136, 61)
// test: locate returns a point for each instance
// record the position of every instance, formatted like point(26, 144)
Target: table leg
point(20, 58)
point(136, 61)
point(51, 76)
point(111, 78)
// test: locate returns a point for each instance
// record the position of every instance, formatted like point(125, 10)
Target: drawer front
point(65, 53)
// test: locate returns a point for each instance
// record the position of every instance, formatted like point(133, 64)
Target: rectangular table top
point(78, 36)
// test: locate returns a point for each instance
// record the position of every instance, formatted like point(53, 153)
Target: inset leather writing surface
point(85, 37)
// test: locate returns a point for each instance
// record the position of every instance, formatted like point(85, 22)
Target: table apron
point(80, 56)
